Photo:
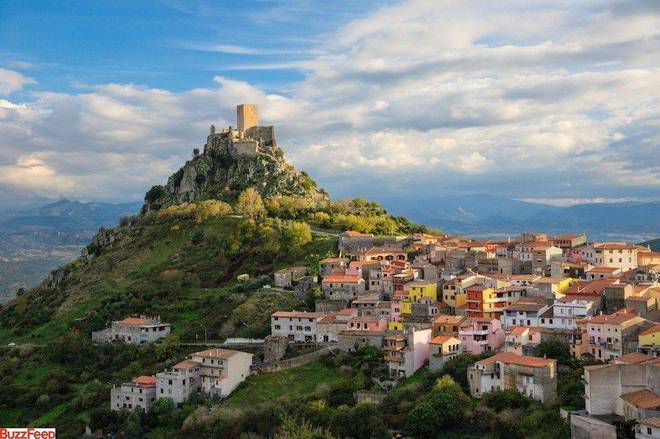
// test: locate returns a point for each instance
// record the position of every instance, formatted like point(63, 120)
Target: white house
point(299, 326)
point(140, 392)
point(222, 370)
point(180, 382)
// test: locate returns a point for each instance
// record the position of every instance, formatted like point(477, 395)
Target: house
point(372, 307)
point(552, 287)
point(648, 429)
point(407, 351)
point(594, 273)
point(179, 383)
point(297, 326)
point(353, 340)
point(443, 348)
point(490, 303)
point(140, 392)
point(569, 242)
point(367, 323)
point(532, 376)
point(378, 254)
point(613, 254)
point(609, 336)
point(286, 277)
point(523, 313)
point(521, 340)
point(445, 324)
point(343, 286)
point(134, 330)
point(418, 291)
point(331, 265)
point(605, 384)
point(571, 308)
point(222, 370)
point(650, 337)
point(330, 325)
point(481, 334)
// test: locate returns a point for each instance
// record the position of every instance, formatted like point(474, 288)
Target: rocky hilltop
point(231, 162)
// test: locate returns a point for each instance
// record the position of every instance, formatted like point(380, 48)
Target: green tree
point(554, 348)
point(250, 204)
point(294, 429)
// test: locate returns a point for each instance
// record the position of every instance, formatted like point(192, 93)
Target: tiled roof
point(332, 260)
point(519, 330)
point(297, 314)
point(652, 330)
point(636, 358)
point(217, 353)
point(342, 278)
point(449, 320)
point(138, 321)
point(185, 364)
point(615, 319)
point(602, 269)
point(440, 339)
point(144, 380)
point(521, 360)
point(645, 398)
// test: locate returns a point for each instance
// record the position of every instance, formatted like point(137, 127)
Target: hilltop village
point(243, 302)
point(424, 300)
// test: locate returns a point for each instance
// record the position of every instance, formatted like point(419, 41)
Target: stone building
point(134, 330)
point(532, 376)
point(248, 140)
point(140, 392)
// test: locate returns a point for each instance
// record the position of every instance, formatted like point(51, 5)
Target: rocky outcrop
point(216, 174)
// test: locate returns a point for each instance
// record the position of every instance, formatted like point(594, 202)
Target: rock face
point(218, 174)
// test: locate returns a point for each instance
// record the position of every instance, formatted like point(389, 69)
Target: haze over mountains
point(34, 241)
point(488, 215)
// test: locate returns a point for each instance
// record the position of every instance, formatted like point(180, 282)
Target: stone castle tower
point(248, 140)
point(247, 116)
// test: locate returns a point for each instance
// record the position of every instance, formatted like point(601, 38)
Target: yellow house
point(395, 326)
point(406, 305)
point(419, 290)
point(650, 336)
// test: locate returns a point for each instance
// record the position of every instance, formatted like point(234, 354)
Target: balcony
point(474, 332)
point(481, 342)
point(393, 358)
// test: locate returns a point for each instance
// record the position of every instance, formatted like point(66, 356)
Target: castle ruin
point(248, 140)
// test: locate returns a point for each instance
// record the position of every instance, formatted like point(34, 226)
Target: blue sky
point(547, 100)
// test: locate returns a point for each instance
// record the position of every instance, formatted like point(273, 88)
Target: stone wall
point(275, 348)
point(290, 363)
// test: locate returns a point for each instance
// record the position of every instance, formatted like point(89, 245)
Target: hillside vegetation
point(180, 262)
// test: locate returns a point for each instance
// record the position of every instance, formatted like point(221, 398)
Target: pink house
point(367, 323)
point(519, 339)
point(481, 334)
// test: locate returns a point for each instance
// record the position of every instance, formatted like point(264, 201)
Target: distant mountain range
point(34, 241)
point(487, 215)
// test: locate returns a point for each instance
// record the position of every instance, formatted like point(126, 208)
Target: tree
point(294, 429)
point(554, 348)
point(294, 235)
point(423, 420)
point(250, 204)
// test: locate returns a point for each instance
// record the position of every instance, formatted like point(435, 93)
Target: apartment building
point(532, 376)
point(407, 351)
point(139, 393)
point(297, 326)
point(443, 348)
point(609, 336)
point(180, 382)
point(343, 286)
point(481, 334)
point(222, 370)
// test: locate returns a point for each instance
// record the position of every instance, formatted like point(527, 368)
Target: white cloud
point(12, 81)
point(548, 99)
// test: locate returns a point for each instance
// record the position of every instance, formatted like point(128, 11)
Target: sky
point(554, 101)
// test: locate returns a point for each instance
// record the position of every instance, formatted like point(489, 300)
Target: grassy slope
point(283, 385)
point(154, 269)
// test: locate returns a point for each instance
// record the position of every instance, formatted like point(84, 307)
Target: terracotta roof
point(297, 314)
point(615, 319)
point(217, 353)
point(185, 364)
point(585, 297)
point(636, 358)
point(615, 246)
point(521, 360)
point(548, 280)
point(589, 287)
point(383, 250)
point(644, 398)
point(603, 269)
point(139, 321)
point(652, 422)
point(361, 333)
point(332, 260)
point(144, 380)
point(342, 278)
point(449, 320)
point(440, 339)
point(518, 330)
point(652, 330)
